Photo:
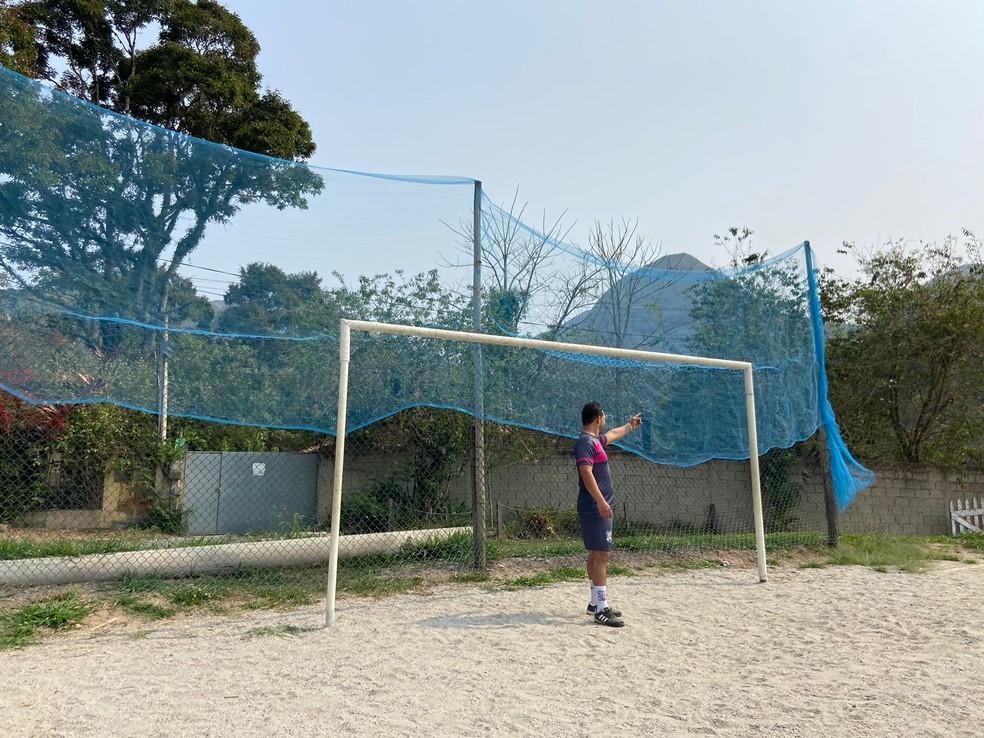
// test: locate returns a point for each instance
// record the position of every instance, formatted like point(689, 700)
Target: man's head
point(593, 417)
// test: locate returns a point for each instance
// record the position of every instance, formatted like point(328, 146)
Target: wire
point(203, 268)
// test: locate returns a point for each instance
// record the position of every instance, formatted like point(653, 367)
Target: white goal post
point(344, 351)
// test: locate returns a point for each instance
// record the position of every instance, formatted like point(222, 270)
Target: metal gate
point(242, 492)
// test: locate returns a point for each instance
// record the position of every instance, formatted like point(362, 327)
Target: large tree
point(266, 299)
point(17, 47)
point(101, 211)
point(906, 352)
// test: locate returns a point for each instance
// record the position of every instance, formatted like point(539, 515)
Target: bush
point(165, 520)
point(363, 512)
point(568, 523)
point(536, 523)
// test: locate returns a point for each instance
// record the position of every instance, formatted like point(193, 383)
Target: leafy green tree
point(266, 300)
point(906, 352)
point(17, 47)
point(101, 212)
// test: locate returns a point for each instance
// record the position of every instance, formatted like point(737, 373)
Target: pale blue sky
point(826, 121)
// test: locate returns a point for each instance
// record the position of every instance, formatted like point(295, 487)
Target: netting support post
point(478, 432)
point(163, 372)
point(830, 504)
point(753, 458)
point(344, 354)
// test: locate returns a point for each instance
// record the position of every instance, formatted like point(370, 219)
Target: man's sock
point(591, 589)
point(601, 597)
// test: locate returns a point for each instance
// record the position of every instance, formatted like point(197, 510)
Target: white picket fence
point(967, 516)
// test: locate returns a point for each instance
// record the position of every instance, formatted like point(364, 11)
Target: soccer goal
point(478, 339)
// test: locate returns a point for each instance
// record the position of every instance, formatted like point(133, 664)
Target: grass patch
point(687, 564)
point(472, 576)
point(23, 626)
point(193, 596)
point(972, 541)
point(554, 576)
point(247, 588)
point(616, 570)
point(378, 584)
point(814, 565)
point(28, 548)
point(905, 553)
point(560, 574)
point(281, 631)
point(142, 608)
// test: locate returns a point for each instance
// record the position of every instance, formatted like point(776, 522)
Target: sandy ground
point(831, 652)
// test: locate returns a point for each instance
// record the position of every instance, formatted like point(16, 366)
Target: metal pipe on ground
point(223, 557)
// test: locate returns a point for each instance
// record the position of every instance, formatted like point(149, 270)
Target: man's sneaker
point(594, 608)
point(608, 617)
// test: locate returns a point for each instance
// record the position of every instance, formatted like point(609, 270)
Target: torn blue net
point(123, 245)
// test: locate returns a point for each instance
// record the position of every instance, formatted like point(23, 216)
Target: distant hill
point(659, 316)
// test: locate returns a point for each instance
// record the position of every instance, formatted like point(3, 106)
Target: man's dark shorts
point(596, 530)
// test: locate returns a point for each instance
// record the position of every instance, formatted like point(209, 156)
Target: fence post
point(478, 427)
point(830, 504)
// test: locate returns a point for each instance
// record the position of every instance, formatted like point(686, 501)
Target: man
point(595, 498)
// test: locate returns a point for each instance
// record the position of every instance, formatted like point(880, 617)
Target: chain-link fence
point(90, 494)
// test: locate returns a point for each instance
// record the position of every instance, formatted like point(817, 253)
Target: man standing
point(595, 498)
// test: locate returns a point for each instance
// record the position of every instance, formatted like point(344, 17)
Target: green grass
point(24, 625)
point(972, 541)
point(905, 553)
point(684, 564)
point(457, 547)
point(561, 574)
point(380, 575)
point(471, 577)
point(378, 584)
point(143, 608)
point(27, 548)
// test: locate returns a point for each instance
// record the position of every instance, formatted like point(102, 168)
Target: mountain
point(651, 306)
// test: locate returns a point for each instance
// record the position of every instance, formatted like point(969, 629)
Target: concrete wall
point(910, 500)
point(121, 506)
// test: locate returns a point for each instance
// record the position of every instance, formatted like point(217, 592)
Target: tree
point(95, 205)
point(198, 76)
point(266, 299)
point(526, 279)
point(17, 48)
point(758, 315)
point(906, 351)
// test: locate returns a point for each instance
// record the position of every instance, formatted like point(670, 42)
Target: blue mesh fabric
point(106, 224)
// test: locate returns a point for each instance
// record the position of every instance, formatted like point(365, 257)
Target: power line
point(203, 268)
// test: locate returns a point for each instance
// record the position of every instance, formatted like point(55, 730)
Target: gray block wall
point(905, 500)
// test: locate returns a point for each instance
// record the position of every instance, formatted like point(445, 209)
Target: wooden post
point(498, 520)
point(833, 535)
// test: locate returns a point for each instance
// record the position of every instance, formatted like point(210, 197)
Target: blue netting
point(113, 232)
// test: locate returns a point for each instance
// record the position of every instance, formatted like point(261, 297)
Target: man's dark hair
point(590, 413)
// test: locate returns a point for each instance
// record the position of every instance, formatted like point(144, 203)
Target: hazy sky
point(826, 121)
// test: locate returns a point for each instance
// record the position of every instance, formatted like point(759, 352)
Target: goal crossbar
point(344, 352)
